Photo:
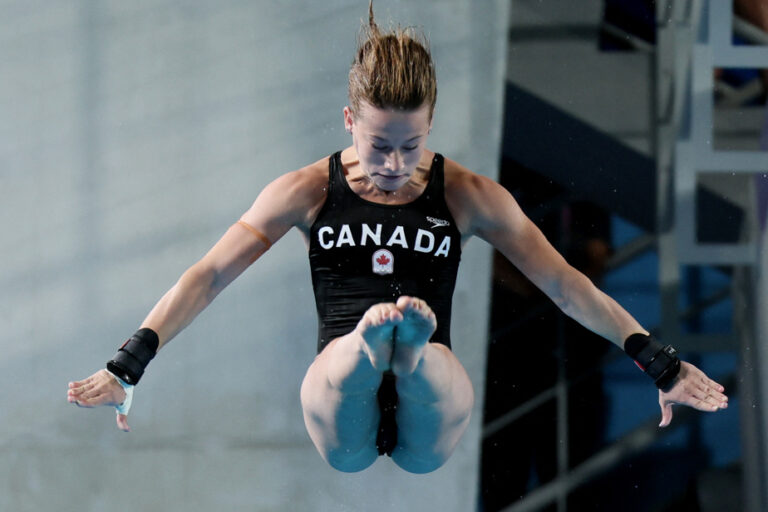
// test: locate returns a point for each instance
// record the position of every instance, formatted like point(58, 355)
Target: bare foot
point(412, 334)
point(376, 328)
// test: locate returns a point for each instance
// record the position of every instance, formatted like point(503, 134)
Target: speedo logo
point(436, 223)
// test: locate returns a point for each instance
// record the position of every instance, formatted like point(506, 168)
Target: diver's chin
point(390, 183)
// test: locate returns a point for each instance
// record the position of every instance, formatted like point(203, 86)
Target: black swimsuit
point(363, 253)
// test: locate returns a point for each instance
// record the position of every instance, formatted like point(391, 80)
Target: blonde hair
point(392, 69)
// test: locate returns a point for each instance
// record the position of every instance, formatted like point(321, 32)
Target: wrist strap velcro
point(134, 356)
point(659, 362)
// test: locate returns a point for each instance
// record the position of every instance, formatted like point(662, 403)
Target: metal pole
point(562, 418)
point(752, 432)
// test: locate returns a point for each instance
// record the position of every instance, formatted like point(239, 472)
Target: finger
point(703, 398)
point(82, 390)
point(705, 382)
point(122, 423)
point(93, 401)
point(708, 403)
point(715, 397)
point(100, 384)
point(86, 388)
point(75, 394)
point(88, 392)
point(714, 385)
point(90, 380)
point(73, 397)
point(703, 405)
point(718, 397)
point(79, 387)
point(79, 383)
point(666, 414)
point(82, 404)
point(710, 391)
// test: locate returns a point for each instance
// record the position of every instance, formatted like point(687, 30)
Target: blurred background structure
point(632, 137)
point(132, 134)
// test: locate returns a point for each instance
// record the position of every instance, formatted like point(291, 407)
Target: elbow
point(560, 298)
point(202, 278)
point(568, 288)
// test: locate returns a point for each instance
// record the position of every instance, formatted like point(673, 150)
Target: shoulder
point(462, 182)
point(295, 197)
point(473, 199)
point(307, 184)
point(307, 189)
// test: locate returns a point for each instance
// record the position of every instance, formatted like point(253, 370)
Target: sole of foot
point(412, 334)
point(377, 329)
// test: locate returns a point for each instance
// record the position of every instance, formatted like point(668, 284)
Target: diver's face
point(389, 142)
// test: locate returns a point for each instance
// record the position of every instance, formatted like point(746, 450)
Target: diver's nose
point(395, 162)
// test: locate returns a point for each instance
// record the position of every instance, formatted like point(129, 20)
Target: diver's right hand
point(101, 388)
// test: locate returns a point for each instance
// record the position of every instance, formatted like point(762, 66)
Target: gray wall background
point(132, 135)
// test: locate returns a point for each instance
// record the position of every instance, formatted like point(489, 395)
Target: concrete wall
point(132, 134)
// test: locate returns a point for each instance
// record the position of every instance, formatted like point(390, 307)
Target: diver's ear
point(348, 119)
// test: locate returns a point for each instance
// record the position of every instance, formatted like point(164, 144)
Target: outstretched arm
point(490, 212)
point(281, 205)
point(196, 288)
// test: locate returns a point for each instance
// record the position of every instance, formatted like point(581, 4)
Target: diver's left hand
point(694, 389)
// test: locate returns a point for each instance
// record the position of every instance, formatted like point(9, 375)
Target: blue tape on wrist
point(124, 407)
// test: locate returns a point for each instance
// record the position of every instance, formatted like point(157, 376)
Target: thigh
point(433, 411)
point(341, 424)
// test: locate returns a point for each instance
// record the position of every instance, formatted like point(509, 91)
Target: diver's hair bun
point(392, 68)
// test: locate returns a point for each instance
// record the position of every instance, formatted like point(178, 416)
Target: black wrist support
point(659, 362)
point(134, 356)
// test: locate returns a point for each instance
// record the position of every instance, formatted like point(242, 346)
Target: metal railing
point(693, 38)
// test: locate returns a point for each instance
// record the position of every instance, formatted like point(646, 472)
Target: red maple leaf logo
point(382, 260)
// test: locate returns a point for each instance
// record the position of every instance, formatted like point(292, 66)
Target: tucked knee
point(466, 403)
point(347, 462)
point(419, 464)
